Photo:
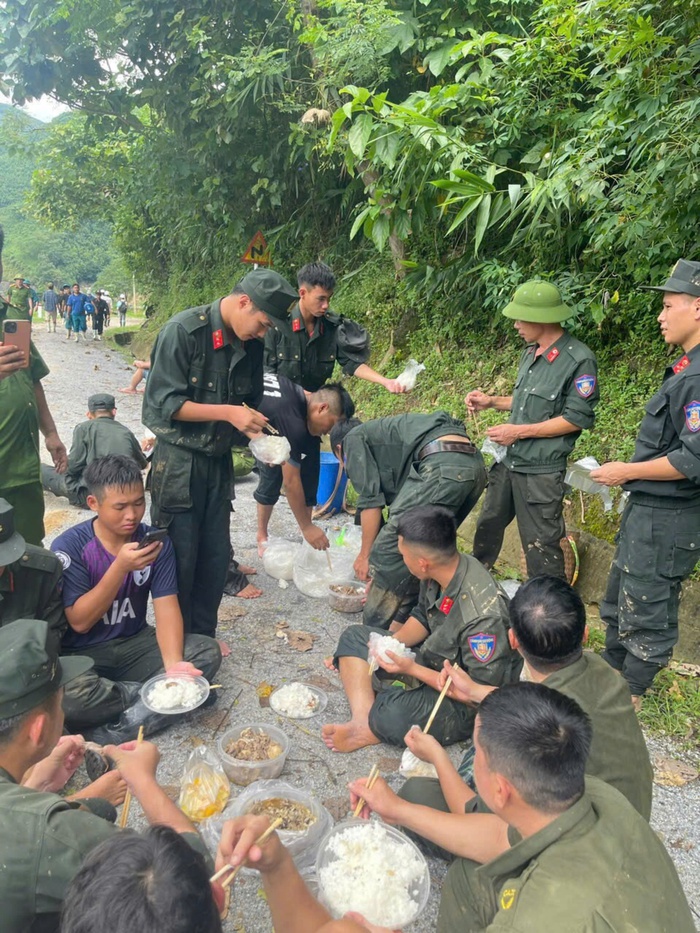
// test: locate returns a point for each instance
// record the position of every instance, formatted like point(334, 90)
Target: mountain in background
point(32, 249)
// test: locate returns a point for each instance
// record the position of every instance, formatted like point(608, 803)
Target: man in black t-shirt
point(302, 417)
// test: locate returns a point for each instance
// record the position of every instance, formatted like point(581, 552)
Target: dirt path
point(259, 657)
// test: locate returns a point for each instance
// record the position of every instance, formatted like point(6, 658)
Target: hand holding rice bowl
point(374, 869)
point(298, 700)
point(174, 693)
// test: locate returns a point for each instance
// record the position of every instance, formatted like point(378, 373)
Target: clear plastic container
point(346, 595)
point(320, 695)
point(245, 772)
point(201, 682)
point(368, 879)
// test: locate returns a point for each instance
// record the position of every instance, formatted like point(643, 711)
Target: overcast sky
point(43, 109)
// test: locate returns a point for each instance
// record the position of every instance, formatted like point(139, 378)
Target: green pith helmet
point(538, 303)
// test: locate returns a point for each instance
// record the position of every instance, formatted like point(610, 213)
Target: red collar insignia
point(446, 605)
point(217, 339)
point(552, 355)
point(680, 364)
point(297, 324)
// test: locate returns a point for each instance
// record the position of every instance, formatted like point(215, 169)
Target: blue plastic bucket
point(326, 483)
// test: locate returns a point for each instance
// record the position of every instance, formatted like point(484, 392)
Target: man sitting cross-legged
point(559, 851)
point(548, 628)
point(461, 615)
point(107, 578)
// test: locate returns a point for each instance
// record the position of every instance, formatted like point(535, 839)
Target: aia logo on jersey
point(585, 385)
point(482, 646)
point(692, 416)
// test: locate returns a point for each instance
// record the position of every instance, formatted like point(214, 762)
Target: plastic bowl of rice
point(298, 701)
point(374, 869)
point(174, 693)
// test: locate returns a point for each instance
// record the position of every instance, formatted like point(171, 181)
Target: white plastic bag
point(407, 379)
point(412, 766)
point(378, 646)
point(313, 572)
point(578, 476)
point(270, 449)
point(278, 558)
point(497, 451)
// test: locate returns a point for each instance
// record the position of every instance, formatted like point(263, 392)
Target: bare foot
point(328, 662)
point(247, 570)
point(249, 592)
point(128, 391)
point(348, 737)
point(111, 786)
point(225, 650)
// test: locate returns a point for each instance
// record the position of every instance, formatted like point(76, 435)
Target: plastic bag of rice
point(270, 450)
point(173, 694)
point(376, 872)
point(379, 645)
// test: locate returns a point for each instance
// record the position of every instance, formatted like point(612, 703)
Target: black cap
point(12, 544)
point(270, 291)
point(30, 669)
point(102, 401)
point(684, 280)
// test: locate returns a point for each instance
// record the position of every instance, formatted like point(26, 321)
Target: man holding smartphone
point(111, 565)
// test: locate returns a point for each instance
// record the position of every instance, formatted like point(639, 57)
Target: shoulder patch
point(585, 385)
point(38, 558)
point(193, 319)
point(64, 559)
point(692, 416)
point(482, 646)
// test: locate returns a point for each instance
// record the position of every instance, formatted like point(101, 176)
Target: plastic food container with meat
point(245, 771)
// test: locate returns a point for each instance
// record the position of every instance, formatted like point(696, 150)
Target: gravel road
point(259, 656)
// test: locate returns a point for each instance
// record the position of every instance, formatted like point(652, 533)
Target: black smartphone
point(155, 534)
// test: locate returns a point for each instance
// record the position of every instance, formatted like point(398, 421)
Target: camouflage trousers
point(657, 548)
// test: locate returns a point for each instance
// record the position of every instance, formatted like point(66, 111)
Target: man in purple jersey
point(107, 578)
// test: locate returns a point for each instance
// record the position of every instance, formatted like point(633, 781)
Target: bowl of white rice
point(298, 700)
point(174, 693)
point(374, 869)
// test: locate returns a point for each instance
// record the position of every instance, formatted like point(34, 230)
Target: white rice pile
point(270, 449)
point(172, 694)
point(380, 644)
point(294, 700)
point(374, 874)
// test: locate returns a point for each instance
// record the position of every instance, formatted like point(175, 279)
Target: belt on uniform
point(438, 447)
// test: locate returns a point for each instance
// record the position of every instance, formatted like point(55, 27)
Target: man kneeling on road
point(108, 573)
point(462, 615)
point(559, 851)
point(548, 628)
point(45, 838)
point(401, 462)
point(303, 418)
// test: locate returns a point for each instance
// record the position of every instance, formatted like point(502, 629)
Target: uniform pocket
point(651, 431)
point(643, 605)
point(540, 403)
point(545, 491)
point(686, 553)
point(171, 475)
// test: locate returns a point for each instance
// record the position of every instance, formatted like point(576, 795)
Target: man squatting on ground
point(306, 347)
point(100, 436)
point(206, 367)
point(303, 418)
point(659, 539)
point(461, 615)
point(401, 462)
point(555, 393)
point(44, 837)
point(558, 851)
point(107, 578)
point(548, 628)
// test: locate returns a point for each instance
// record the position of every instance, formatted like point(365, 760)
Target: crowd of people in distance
point(545, 821)
point(78, 311)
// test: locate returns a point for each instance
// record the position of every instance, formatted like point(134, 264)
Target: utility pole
point(133, 291)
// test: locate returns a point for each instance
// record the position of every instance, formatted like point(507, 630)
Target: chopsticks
point(127, 800)
point(373, 775)
point(438, 702)
point(234, 871)
point(268, 427)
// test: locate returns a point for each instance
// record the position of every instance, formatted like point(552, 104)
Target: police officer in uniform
point(401, 462)
point(29, 579)
point(555, 392)
point(206, 368)
point(659, 539)
point(306, 348)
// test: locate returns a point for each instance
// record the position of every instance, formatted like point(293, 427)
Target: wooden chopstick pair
point(268, 427)
point(373, 775)
point(234, 870)
point(127, 800)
